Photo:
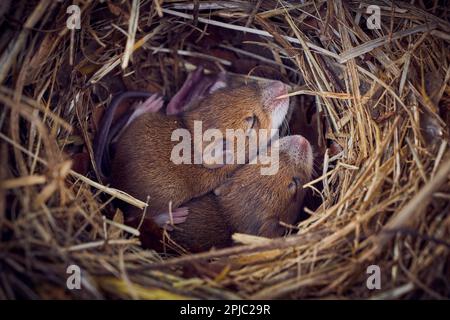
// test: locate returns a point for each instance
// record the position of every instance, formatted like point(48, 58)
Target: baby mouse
point(196, 86)
point(142, 164)
point(247, 202)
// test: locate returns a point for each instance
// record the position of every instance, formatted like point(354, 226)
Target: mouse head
point(256, 204)
point(252, 106)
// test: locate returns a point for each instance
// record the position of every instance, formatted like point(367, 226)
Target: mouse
point(247, 202)
point(194, 88)
point(142, 163)
point(108, 131)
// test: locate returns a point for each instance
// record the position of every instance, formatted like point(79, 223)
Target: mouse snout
point(299, 151)
point(278, 88)
point(275, 106)
point(271, 92)
point(300, 142)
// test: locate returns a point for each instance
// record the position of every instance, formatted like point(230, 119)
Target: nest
point(383, 91)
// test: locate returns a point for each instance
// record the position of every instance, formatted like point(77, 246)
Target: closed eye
point(251, 121)
point(294, 184)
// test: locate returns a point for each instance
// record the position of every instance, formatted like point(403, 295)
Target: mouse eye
point(294, 184)
point(251, 121)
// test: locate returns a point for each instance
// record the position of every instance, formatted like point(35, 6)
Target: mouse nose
point(278, 88)
point(271, 91)
point(297, 147)
point(299, 151)
point(294, 142)
point(300, 142)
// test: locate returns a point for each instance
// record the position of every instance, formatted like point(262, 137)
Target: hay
point(385, 95)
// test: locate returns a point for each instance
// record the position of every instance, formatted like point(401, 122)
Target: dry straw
point(385, 93)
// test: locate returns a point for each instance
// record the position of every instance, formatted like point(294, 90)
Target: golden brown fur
point(247, 202)
point(142, 167)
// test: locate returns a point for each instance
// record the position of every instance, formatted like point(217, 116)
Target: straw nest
point(384, 93)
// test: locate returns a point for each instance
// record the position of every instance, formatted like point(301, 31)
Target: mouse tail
point(103, 136)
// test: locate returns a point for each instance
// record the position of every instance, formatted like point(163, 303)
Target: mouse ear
point(217, 154)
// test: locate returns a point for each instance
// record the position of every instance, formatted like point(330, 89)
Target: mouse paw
point(179, 215)
point(152, 104)
point(180, 100)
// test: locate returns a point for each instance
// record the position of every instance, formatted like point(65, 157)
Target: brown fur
point(204, 228)
point(142, 165)
point(247, 202)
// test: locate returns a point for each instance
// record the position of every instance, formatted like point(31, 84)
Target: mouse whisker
point(285, 127)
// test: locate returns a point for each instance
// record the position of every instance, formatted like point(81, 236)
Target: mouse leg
point(178, 101)
point(152, 104)
point(179, 215)
point(195, 87)
point(271, 228)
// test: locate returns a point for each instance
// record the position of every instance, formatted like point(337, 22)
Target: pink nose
point(299, 150)
point(277, 88)
point(271, 91)
point(299, 142)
